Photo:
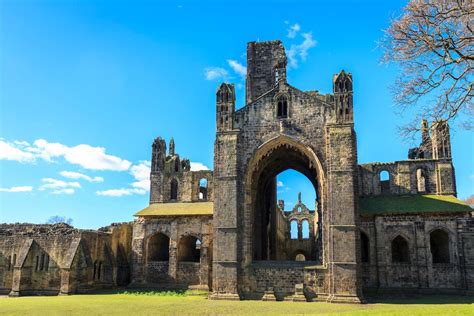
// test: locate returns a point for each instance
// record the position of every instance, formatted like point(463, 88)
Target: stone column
point(138, 271)
point(343, 243)
point(16, 283)
point(225, 262)
point(173, 252)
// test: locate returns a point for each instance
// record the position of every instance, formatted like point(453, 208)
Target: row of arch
point(400, 248)
point(297, 230)
point(189, 248)
point(421, 181)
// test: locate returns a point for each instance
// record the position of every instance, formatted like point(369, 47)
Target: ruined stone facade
point(375, 227)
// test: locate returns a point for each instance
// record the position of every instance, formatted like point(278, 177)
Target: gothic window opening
point(9, 263)
point(176, 165)
point(400, 250)
point(37, 264)
point(42, 262)
point(189, 249)
point(203, 189)
point(158, 248)
point(282, 107)
point(95, 270)
point(421, 180)
point(305, 229)
point(294, 229)
point(439, 244)
point(384, 182)
point(174, 190)
point(99, 270)
point(364, 248)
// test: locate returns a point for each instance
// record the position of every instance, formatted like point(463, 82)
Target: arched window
point(42, 262)
point(384, 181)
point(95, 270)
point(439, 243)
point(189, 249)
point(282, 107)
point(294, 229)
point(400, 250)
point(300, 257)
point(46, 263)
point(176, 165)
point(99, 270)
point(9, 263)
point(305, 229)
point(158, 248)
point(364, 248)
point(421, 180)
point(37, 263)
point(174, 190)
point(203, 189)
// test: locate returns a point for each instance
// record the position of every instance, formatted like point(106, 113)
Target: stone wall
point(420, 272)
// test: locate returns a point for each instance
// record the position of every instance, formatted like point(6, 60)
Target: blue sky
point(85, 87)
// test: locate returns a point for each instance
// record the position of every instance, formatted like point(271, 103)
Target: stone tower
point(280, 128)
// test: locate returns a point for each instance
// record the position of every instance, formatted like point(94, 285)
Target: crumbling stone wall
point(52, 259)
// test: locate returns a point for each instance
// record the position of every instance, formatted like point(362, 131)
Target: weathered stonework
point(225, 231)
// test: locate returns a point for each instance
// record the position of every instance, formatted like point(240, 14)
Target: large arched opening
point(271, 159)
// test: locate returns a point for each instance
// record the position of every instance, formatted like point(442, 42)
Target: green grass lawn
point(133, 304)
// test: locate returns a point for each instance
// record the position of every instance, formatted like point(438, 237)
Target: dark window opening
point(176, 165)
point(439, 243)
point(37, 264)
point(400, 250)
point(99, 270)
point(9, 263)
point(159, 247)
point(174, 190)
point(364, 248)
point(282, 109)
point(95, 270)
point(189, 249)
point(42, 262)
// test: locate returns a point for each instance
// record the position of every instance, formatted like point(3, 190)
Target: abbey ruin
point(377, 227)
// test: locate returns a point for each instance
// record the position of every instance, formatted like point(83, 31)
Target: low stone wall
point(157, 272)
point(189, 273)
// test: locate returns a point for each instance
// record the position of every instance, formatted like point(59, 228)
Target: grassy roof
point(177, 209)
point(412, 204)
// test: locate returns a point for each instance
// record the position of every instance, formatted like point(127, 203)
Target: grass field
point(146, 304)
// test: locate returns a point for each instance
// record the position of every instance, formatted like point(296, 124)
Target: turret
point(158, 159)
point(266, 66)
point(171, 147)
point(342, 87)
point(225, 107)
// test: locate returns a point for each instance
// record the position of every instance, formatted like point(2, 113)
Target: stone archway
point(271, 158)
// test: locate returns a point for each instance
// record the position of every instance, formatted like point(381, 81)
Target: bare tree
point(432, 42)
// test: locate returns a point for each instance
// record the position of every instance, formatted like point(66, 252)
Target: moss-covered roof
point(412, 204)
point(177, 209)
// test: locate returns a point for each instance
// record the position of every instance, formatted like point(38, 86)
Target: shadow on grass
point(420, 299)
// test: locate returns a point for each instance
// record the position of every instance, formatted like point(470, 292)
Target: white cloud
point(120, 192)
point(141, 173)
point(280, 184)
point(197, 166)
point(300, 51)
point(59, 186)
point(64, 191)
point(237, 67)
point(17, 189)
point(293, 30)
point(10, 151)
point(78, 175)
point(86, 156)
point(214, 73)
